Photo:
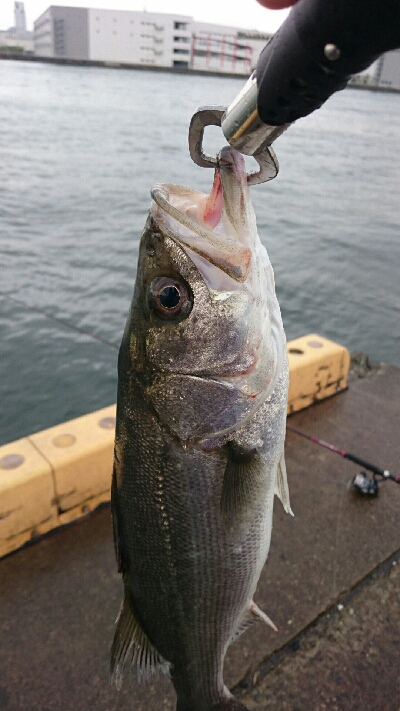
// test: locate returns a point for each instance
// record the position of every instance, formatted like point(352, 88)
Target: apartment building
point(145, 38)
point(225, 49)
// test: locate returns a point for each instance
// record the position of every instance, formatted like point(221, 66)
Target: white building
point(388, 70)
point(19, 16)
point(225, 49)
point(384, 73)
point(17, 39)
point(145, 38)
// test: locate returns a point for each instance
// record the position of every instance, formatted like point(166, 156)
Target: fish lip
point(225, 162)
point(229, 159)
point(225, 242)
point(235, 261)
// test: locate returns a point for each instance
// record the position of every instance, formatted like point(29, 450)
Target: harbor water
point(80, 149)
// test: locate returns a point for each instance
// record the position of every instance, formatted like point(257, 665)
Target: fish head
point(205, 332)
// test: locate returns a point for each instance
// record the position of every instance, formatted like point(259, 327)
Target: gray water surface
point(80, 149)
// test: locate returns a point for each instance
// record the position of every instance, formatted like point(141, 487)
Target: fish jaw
point(176, 218)
point(234, 336)
point(227, 210)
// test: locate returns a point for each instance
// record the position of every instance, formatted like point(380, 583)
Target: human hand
point(276, 4)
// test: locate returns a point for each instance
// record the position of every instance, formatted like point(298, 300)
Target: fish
point(199, 445)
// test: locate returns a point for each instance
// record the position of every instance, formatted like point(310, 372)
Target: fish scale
point(199, 442)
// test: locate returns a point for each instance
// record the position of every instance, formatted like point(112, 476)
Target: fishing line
point(61, 321)
point(362, 483)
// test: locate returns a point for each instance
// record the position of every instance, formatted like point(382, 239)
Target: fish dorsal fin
point(281, 486)
point(130, 641)
point(242, 485)
point(252, 614)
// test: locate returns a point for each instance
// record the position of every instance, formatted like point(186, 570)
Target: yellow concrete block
point(83, 508)
point(57, 475)
point(318, 369)
point(27, 506)
point(80, 453)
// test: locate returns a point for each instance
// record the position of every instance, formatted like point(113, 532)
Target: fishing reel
point(364, 485)
point(370, 487)
point(361, 483)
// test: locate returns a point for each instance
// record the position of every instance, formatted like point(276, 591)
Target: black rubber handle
point(300, 68)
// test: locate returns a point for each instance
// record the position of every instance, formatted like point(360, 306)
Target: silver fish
point(201, 414)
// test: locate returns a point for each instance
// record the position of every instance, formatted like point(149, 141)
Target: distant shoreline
point(117, 65)
point(170, 70)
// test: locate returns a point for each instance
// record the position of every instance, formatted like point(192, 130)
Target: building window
point(181, 51)
point(180, 25)
point(59, 45)
point(178, 63)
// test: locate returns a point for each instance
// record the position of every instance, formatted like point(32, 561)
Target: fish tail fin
point(130, 641)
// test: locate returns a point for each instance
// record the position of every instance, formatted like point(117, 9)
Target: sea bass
point(201, 415)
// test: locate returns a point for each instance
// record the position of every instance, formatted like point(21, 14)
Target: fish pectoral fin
point(281, 486)
point(241, 490)
point(130, 640)
point(253, 614)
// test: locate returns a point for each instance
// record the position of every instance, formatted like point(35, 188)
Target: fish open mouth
point(241, 367)
point(218, 226)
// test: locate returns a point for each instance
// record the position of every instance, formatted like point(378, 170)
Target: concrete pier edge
point(254, 677)
point(330, 584)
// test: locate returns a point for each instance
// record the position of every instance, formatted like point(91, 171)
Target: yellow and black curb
point(62, 473)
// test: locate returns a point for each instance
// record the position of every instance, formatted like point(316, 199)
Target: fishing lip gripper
point(321, 44)
point(242, 128)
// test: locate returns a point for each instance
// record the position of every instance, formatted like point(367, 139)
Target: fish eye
point(169, 298)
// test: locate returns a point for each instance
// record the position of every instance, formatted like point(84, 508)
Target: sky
point(236, 13)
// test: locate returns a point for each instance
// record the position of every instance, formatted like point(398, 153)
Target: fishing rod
point(361, 482)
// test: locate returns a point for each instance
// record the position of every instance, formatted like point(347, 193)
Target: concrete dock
point(331, 585)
